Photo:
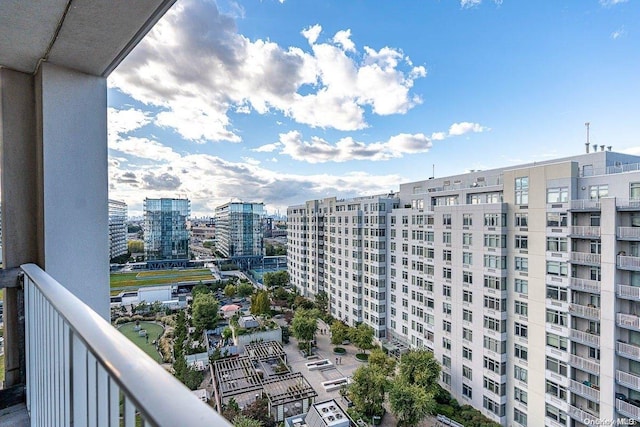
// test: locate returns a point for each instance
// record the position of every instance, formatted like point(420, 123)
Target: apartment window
point(519, 417)
point(446, 219)
point(594, 220)
point(446, 361)
point(497, 283)
point(467, 315)
point(467, 372)
point(467, 296)
point(521, 308)
point(521, 352)
point(595, 273)
point(493, 386)
point(495, 324)
point(467, 258)
point(495, 366)
point(495, 241)
point(446, 378)
point(558, 195)
point(556, 341)
point(467, 353)
point(467, 239)
point(634, 191)
point(446, 255)
point(446, 290)
point(430, 236)
point(556, 390)
point(467, 334)
point(521, 219)
point(595, 247)
point(556, 317)
point(520, 330)
point(520, 373)
point(522, 190)
point(446, 308)
point(556, 293)
point(446, 273)
point(446, 343)
point(467, 391)
point(493, 407)
point(555, 414)
point(557, 268)
point(446, 326)
point(467, 219)
point(520, 395)
point(467, 277)
point(557, 366)
point(557, 244)
point(557, 219)
point(596, 192)
point(521, 264)
point(496, 304)
point(495, 220)
point(446, 237)
point(522, 242)
point(495, 345)
point(495, 261)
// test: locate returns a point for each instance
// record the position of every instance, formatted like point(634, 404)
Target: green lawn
point(160, 277)
point(153, 330)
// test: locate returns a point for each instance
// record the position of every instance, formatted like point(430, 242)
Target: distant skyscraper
point(166, 238)
point(239, 229)
point(117, 228)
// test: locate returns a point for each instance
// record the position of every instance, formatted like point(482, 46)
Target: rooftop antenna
point(587, 143)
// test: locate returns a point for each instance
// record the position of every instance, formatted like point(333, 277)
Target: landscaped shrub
point(340, 350)
point(363, 357)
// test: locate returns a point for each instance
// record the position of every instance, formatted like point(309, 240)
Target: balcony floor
point(15, 416)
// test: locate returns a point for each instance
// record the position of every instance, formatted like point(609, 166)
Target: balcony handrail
point(160, 398)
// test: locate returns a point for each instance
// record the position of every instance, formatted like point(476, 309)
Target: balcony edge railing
point(153, 392)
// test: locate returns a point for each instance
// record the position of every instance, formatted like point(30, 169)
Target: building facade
point(523, 281)
point(166, 237)
point(239, 232)
point(117, 228)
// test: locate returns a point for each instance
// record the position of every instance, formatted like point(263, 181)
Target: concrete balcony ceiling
point(91, 36)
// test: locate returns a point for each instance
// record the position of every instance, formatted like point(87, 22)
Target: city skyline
point(281, 101)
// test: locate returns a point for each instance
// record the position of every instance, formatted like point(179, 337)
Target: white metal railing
point(585, 230)
point(585, 204)
point(628, 350)
point(629, 232)
point(628, 409)
point(584, 364)
point(584, 390)
point(627, 203)
point(582, 416)
point(628, 380)
point(585, 258)
point(628, 320)
point(82, 372)
point(584, 311)
point(626, 291)
point(585, 337)
point(626, 261)
point(586, 285)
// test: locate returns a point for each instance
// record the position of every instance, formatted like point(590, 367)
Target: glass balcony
point(587, 365)
point(628, 233)
point(585, 285)
point(628, 292)
point(585, 390)
point(584, 205)
point(628, 380)
point(585, 338)
point(628, 321)
point(584, 311)
point(628, 350)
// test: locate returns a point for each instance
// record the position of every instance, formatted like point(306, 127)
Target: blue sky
point(285, 101)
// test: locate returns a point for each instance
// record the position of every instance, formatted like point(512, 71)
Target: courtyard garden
point(145, 342)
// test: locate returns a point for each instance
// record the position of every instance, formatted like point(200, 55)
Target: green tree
point(420, 367)
point(381, 361)
point(205, 311)
point(260, 303)
point(339, 332)
point(362, 336)
point(367, 390)
point(410, 402)
point(229, 291)
point(135, 246)
point(244, 421)
point(200, 288)
point(304, 325)
point(275, 279)
point(244, 289)
point(322, 301)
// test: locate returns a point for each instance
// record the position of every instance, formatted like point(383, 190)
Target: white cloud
point(267, 148)
point(607, 3)
point(618, 33)
point(469, 3)
point(125, 121)
point(461, 128)
point(196, 68)
point(251, 161)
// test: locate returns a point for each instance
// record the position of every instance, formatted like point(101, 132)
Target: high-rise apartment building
point(524, 281)
point(239, 230)
point(117, 228)
point(166, 237)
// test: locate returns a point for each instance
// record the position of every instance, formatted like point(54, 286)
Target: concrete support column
point(71, 115)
